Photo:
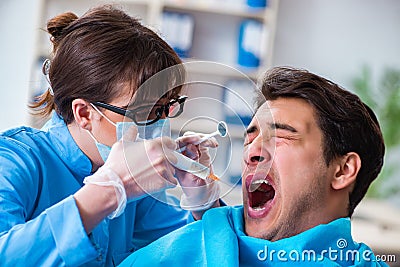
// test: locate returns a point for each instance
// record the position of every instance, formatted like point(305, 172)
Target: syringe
point(187, 164)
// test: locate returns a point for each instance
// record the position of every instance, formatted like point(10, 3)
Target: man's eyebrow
point(283, 126)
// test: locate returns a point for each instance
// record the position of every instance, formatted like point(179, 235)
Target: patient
point(310, 154)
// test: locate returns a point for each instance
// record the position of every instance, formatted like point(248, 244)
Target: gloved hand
point(143, 166)
point(198, 194)
point(136, 169)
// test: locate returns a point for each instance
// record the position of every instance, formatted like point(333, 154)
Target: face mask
point(160, 128)
point(104, 150)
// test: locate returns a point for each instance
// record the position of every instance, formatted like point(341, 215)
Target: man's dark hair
point(347, 124)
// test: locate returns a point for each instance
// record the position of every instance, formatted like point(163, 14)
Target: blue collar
point(228, 223)
point(66, 147)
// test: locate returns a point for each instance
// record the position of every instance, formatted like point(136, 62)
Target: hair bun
point(56, 26)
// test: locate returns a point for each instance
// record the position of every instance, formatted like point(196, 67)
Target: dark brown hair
point(98, 54)
point(347, 124)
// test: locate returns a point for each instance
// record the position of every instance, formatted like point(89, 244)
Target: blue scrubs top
point(40, 224)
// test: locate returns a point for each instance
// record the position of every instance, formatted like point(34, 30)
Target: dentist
point(75, 193)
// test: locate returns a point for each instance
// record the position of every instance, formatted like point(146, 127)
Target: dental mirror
point(222, 130)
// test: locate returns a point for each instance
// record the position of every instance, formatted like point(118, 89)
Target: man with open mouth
point(311, 151)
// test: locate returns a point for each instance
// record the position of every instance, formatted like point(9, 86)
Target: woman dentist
point(73, 193)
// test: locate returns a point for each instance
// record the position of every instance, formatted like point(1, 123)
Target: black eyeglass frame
point(130, 113)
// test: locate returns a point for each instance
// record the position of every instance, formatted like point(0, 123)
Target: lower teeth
point(258, 208)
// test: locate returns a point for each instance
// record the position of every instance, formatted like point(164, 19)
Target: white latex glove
point(136, 169)
point(142, 166)
point(107, 177)
point(198, 194)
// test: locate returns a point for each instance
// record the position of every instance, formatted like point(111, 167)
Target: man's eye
point(280, 139)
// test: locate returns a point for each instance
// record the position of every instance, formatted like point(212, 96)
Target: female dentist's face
point(285, 185)
point(105, 131)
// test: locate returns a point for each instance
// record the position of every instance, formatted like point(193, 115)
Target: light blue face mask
point(104, 150)
point(160, 128)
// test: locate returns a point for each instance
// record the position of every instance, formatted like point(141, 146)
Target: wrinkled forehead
point(289, 112)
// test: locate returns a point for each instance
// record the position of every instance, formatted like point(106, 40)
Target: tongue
point(261, 196)
point(261, 186)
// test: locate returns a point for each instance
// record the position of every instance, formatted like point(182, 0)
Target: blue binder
point(250, 42)
point(177, 30)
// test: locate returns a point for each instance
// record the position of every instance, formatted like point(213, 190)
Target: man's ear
point(346, 172)
point(84, 113)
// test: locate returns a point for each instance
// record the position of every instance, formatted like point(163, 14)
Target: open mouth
point(260, 195)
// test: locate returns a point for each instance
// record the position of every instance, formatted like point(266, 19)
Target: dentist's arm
point(53, 236)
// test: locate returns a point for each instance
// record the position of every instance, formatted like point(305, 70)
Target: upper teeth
point(256, 184)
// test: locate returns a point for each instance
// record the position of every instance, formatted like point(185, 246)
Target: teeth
point(260, 182)
point(256, 184)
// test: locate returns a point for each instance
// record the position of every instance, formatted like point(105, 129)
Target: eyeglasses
point(149, 114)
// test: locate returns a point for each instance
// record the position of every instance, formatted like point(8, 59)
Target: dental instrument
point(187, 164)
point(222, 130)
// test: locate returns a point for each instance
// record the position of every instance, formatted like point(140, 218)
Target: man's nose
point(259, 152)
point(257, 159)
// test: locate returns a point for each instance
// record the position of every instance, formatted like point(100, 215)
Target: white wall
point(17, 34)
point(334, 38)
